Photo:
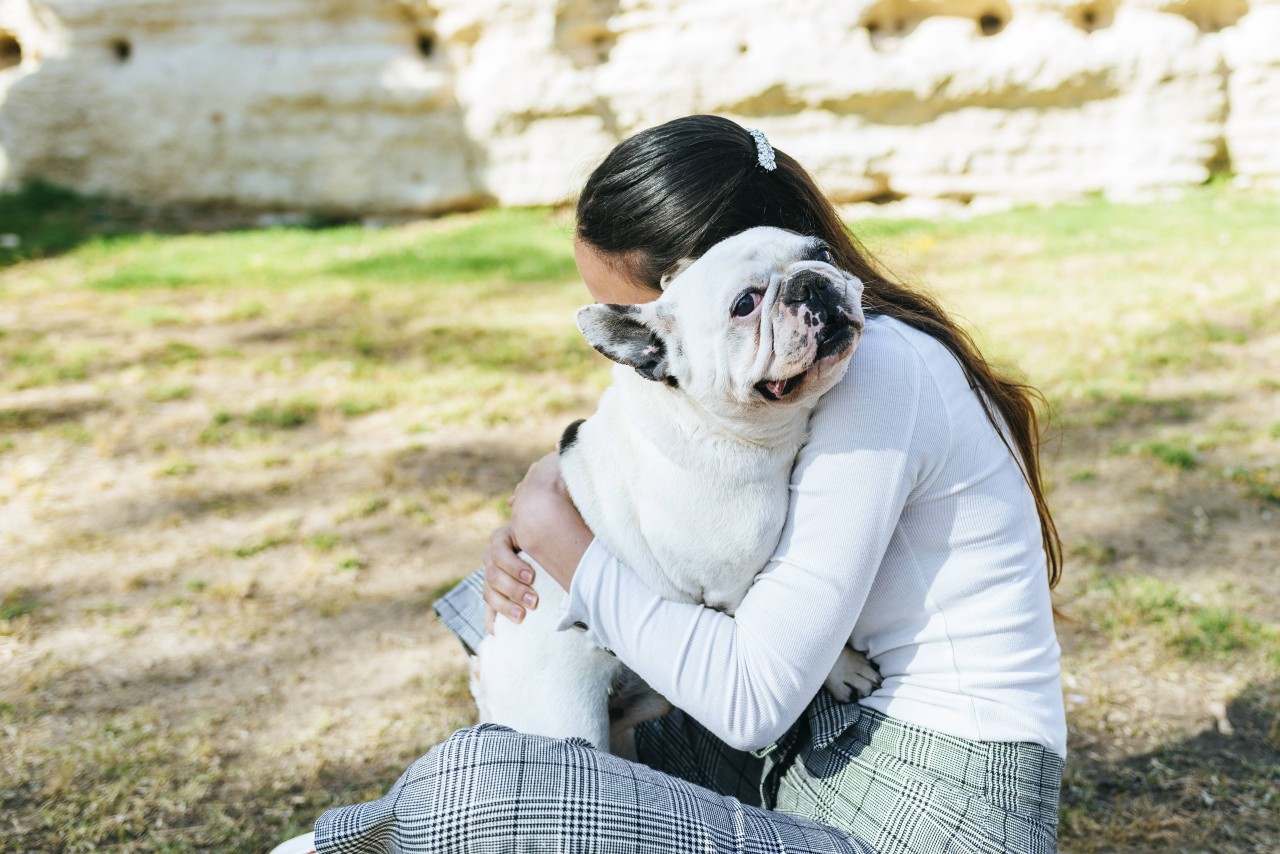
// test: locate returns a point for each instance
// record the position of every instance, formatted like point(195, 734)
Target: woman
point(917, 532)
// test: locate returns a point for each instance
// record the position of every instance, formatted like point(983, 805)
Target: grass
point(168, 392)
point(46, 220)
point(521, 247)
point(178, 468)
point(287, 416)
point(238, 465)
point(1175, 454)
point(18, 603)
point(1127, 606)
point(324, 541)
point(1260, 481)
point(258, 546)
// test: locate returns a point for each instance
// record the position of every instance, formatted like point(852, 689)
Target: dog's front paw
point(852, 677)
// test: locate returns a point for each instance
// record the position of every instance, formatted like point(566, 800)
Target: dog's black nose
point(803, 287)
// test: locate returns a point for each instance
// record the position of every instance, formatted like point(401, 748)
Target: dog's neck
point(666, 414)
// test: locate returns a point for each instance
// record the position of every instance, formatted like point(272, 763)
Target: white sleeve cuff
point(592, 569)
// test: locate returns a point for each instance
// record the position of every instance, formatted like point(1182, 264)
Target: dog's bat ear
point(629, 335)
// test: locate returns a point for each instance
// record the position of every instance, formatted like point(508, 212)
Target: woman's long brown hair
point(673, 191)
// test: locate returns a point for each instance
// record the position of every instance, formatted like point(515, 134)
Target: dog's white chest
point(695, 519)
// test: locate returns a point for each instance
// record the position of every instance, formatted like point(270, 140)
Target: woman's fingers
point(502, 554)
point(490, 618)
point(504, 595)
point(507, 578)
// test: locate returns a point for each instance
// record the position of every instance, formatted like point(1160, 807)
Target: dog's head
point(762, 321)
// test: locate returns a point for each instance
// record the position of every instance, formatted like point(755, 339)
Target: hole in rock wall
point(582, 31)
point(990, 24)
point(121, 49)
point(420, 28)
point(887, 196)
point(1092, 16)
point(1210, 15)
point(10, 50)
point(957, 196)
point(1220, 162)
point(890, 21)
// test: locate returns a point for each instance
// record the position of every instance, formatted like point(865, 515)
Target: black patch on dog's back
point(569, 436)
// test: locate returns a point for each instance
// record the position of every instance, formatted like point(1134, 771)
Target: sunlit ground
point(236, 467)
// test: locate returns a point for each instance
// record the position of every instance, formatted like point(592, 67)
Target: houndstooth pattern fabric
point(680, 746)
point(490, 789)
point(845, 778)
point(905, 788)
point(462, 610)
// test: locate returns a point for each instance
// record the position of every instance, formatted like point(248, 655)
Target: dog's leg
point(852, 677)
point(631, 703)
point(535, 679)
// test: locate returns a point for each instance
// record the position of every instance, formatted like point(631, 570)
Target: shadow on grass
point(1210, 792)
point(1162, 463)
point(42, 220)
point(40, 413)
point(151, 767)
point(463, 346)
point(491, 469)
point(151, 752)
point(1173, 461)
point(1127, 410)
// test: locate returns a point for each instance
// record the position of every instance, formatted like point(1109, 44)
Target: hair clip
point(764, 151)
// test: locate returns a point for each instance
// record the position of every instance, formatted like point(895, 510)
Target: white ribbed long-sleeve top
point(911, 535)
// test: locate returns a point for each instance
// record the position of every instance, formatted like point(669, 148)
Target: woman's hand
point(548, 528)
point(545, 525)
point(507, 579)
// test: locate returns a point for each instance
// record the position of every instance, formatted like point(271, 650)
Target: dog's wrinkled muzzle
point(823, 317)
point(821, 303)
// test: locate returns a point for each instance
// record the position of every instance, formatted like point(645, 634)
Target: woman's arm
point(542, 508)
point(747, 678)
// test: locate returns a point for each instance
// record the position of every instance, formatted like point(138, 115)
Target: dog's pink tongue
point(776, 387)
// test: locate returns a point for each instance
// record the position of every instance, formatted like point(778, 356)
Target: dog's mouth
point(778, 389)
point(835, 341)
point(836, 338)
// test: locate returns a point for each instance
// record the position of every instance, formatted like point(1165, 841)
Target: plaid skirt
point(844, 779)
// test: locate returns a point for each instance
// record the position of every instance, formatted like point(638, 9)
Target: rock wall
point(385, 106)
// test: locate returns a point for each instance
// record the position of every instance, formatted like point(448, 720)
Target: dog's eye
point(824, 255)
point(746, 304)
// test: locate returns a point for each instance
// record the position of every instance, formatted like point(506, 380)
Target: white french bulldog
point(683, 470)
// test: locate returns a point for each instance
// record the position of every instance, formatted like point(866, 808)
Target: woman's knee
point(477, 770)
point(479, 733)
point(490, 754)
point(472, 748)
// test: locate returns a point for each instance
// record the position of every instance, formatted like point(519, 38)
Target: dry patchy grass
point(236, 468)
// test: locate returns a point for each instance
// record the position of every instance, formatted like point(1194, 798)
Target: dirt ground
point(218, 553)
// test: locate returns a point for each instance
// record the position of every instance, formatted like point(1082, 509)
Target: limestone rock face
point(400, 106)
